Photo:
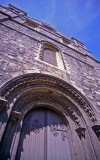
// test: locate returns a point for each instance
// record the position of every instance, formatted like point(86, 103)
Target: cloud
point(80, 15)
point(50, 11)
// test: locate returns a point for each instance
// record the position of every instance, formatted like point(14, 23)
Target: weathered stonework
point(22, 70)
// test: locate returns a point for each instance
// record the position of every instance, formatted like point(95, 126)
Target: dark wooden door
point(43, 137)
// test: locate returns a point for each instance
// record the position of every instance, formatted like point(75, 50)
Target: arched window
point(51, 55)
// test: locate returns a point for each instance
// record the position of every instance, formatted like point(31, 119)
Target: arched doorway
point(19, 98)
point(43, 137)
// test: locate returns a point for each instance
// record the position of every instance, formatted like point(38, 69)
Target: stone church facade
point(49, 92)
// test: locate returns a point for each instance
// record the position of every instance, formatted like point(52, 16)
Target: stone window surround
point(59, 56)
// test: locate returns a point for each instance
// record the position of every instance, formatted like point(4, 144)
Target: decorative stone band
point(45, 96)
point(81, 132)
point(37, 79)
point(96, 129)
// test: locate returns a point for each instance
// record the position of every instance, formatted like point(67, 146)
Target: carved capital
point(81, 132)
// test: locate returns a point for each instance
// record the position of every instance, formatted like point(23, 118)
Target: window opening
point(49, 56)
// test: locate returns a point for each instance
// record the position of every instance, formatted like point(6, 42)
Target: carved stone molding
point(96, 129)
point(74, 115)
point(36, 80)
point(49, 98)
point(3, 103)
point(14, 116)
point(81, 132)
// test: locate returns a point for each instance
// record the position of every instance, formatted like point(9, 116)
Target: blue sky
point(73, 18)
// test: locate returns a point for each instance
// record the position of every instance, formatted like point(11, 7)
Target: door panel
point(32, 137)
point(43, 137)
point(57, 141)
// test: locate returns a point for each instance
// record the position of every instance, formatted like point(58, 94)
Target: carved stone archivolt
point(12, 88)
point(81, 132)
point(14, 116)
point(3, 103)
point(96, 129)
point(46, 97)
point(29, 91)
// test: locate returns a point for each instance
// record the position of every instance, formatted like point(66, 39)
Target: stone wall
point(19, 54)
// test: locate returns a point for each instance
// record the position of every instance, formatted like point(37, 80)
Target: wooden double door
point(43, 137)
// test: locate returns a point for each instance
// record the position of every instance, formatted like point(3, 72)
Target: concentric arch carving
point(31, 91)
point(45, 86)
